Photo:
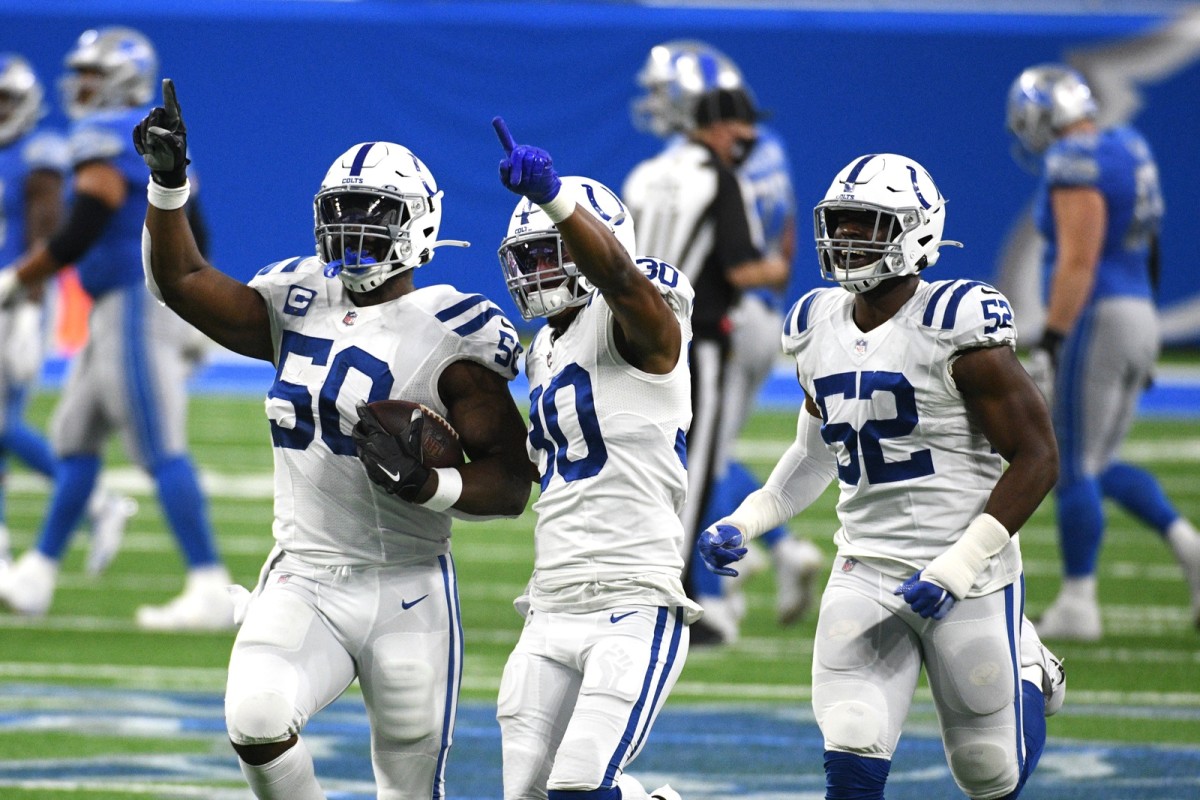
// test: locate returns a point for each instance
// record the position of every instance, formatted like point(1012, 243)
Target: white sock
point(289, 777)
point(1079, 589)
point(1181, 535)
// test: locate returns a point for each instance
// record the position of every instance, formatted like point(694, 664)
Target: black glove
point(161, 140)
point(393, 462)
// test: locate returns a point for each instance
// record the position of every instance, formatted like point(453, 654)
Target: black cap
point(722, 104)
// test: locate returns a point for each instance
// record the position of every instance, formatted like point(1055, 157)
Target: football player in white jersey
point(914, 400)
point(606, 617)
point(361, 583)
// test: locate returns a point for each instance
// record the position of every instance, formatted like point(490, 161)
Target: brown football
point(440, 446)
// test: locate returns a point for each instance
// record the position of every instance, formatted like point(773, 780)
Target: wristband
point(561, 207)
point(956, 569)
point(168, 199)
point(449, 489)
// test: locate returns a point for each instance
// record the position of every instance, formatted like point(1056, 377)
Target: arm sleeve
point(85, 223)
point(799, 478)
point(733, 244)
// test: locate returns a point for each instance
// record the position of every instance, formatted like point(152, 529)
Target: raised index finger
point(170, 104)
point(506, 138)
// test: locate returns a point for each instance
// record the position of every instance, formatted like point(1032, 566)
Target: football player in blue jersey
point(32, 165)
point(131, 375)
point(674, 77)
point(913, 401)
point(1099, 206)
point(361, 584)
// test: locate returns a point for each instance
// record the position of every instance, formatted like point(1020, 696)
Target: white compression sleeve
point(801, 475)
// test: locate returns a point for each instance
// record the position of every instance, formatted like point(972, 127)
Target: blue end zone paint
point(1171, 397)
point(773, 752)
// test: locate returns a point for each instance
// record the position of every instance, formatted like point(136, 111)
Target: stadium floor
point(752, 752)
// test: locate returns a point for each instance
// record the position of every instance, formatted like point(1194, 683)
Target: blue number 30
point(852, 385)
point(546, 421)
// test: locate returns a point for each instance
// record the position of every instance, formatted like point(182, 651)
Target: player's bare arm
point(499, 475)
point(647, 332)
point(1080, 219)
point(1003, 399)
point(227, 311)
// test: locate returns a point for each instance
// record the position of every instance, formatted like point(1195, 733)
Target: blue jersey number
point(866, 440)
point(300, 436)
point(998, 314)
point(547, 420)
point(659, 271)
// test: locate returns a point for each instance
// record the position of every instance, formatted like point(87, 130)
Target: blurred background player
point(675, 76)
point(361, 583)
point(1099, 206)
point(914, 400)
point(132, 373)
point(607, 620)
point(32, 165)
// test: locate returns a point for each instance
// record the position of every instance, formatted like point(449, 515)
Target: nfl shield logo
point(849, 564)
point(350, 317)
point(860, 346)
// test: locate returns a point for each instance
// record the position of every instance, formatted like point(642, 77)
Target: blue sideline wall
point(272, 91)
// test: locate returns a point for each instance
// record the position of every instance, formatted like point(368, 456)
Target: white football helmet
point(112, 67)
point(20, 98)
point(376, 214)
point(908, 211)
point(1043, 100)
point(675, 75)
point(541, 281)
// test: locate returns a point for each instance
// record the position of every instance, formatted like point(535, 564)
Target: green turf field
point(1147, 662)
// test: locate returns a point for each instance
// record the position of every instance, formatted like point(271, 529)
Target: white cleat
point(798, 562)
point(1185, 544)
point(720, 618)
point(1051, 676)
point(204, 605)
point(1071, 619)
point(665, 792)
point(27, 587)
point(109, 514)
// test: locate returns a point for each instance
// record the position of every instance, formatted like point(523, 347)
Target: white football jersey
point(330, 355)
point(913, 469)
point(609, 442)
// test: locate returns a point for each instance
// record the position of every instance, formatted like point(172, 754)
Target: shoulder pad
point(289, 267)
point(799, 317)
point(1072, 162)
point(970, 313)
point(95, 143)
point(45, 150)
point(487, 336)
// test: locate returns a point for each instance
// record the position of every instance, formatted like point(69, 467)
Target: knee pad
point(852, 725)
point(403, 709)
point(983, 769)
point(849, 776)
point(259, 717)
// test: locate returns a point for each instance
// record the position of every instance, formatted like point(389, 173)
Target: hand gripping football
point(440, 446)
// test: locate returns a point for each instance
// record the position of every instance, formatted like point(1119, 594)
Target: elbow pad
point(85, 223)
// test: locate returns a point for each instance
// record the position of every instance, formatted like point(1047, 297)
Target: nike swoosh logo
point(393, 476)
point(615, 618)
point(406, 605)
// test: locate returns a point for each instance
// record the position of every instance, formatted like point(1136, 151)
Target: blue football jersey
point(41, 150)
point(115, 260)
point(769, 175)
point(1117, 163)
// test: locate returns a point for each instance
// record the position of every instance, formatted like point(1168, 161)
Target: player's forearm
point(1069, 291)
point(770, 271)
point(1029, 478)
point(173, 254)
point(493, 487)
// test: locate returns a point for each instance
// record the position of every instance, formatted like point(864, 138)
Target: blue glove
point(721, 545)
point(925, 597)
point(526, 169)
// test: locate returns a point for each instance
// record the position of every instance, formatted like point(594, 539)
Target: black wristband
point(1051, 340)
